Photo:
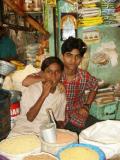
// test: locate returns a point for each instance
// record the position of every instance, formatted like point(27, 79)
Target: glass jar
point(37, 5)
point(28, 5)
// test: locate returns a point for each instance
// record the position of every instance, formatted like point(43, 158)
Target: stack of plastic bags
point(89, 13)
point(117, 12)
point(31, 51)
point(108, 11)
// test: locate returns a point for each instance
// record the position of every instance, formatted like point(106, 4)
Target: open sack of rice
point(15, 148)
point(63, 138)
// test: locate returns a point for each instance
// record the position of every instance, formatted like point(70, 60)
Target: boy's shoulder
point(81, 71)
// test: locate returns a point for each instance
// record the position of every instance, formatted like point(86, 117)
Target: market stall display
point(89, 18)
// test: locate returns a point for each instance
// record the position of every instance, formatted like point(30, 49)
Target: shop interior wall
point(106, 43)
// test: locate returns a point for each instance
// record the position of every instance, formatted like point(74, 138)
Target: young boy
point(76, 81)
point(40, 96)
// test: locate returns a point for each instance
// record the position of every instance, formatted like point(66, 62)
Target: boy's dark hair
point(74, 43)
point(50, 60)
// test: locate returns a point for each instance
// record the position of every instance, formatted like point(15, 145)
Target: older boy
point(76, 82)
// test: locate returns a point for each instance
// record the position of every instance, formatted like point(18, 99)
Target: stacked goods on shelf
point(108, 11)
point(105, 96)
point(117, 97)
point(117, 90)
point(19, 65)
point(31, 51)
point(105, 106)
point(117, 12)
point(89, 13)
point(32, 5)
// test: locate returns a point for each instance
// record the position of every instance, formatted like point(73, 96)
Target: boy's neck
point(70, 74)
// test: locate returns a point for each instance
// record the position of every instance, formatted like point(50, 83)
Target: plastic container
point(88, 146)
point(14, 105)
point(54, 147)
point(4, 114)
point(37, 5)
point(48, 133)
point(104, 111)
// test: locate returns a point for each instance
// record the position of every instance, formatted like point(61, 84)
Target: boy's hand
point(83, 112)
point(46, 88)
point(61, 87)
point(60, 124)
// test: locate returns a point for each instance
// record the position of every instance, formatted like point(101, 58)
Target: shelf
point(28, 12)
point(100, 25)
point(34, 12)
point(18, 27)
point(18, 21)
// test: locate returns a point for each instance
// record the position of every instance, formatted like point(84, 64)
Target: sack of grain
point(15, 148)
point(64, 137)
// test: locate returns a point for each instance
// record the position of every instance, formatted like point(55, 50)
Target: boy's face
point(53, 73)
point(72, 59)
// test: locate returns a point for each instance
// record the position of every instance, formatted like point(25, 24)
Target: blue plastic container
point(95, 148)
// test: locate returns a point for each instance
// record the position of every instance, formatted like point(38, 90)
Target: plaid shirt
point(75, 94)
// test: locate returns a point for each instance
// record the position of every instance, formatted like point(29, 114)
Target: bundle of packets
point(89, 13)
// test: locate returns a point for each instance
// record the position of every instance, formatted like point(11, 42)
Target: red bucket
point(14, 105)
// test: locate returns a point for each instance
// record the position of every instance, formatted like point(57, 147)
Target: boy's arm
point(32, 78)
point(91, 97)
point(87, 105)
point(34, 110)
